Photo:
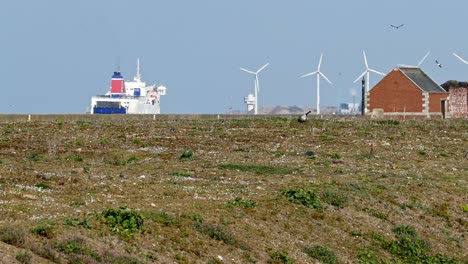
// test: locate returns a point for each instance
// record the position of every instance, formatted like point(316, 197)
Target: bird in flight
point(397, 27)
point(438, 64)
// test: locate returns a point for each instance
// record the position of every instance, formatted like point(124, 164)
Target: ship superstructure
point(129, 97)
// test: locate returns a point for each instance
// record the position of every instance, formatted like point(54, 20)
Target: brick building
point(407, 92)
point(456, 105)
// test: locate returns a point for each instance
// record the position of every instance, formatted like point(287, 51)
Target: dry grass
point(371, 177)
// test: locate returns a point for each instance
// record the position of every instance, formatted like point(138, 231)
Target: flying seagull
point(438, 64)
point(397, 27)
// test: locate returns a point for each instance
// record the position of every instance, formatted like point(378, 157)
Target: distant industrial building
point(407, 92)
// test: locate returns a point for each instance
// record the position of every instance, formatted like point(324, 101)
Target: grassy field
point(268, 190)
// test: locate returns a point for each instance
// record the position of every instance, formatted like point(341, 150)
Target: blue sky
point(55, 54)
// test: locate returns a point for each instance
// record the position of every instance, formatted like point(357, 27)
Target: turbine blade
point(374, 71)
point(360, 76)
point(460, 58)
point(365, 59)
point(407, 66)
point(320, 62)
point(325, 77)
point(421, 61)
point(308, 74)
point(261, 69)
point(247, 71)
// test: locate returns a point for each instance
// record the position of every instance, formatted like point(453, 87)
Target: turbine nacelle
point(366, 72)
point(318, 73)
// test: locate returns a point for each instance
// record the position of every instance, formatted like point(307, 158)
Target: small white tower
point(250, 101)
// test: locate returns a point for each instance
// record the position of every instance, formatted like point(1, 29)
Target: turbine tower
point(419, 64)
point(366, 72)
point(318, 73)
point(257, 85)
point(460, 58)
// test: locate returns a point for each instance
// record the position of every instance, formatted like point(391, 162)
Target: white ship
point(129, 97)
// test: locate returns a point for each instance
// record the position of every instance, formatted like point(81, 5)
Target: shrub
point(162, 218)
point(74, 157)
point(43, 186)
point(77, 249)
point(334, 198)
point(323, 254)
point(42, 230)
point(376, 213)
point(77, 222)
point(335, 156)
point(217, 232)
point(368, 256)
point(12, 236)
point(34, 156)
point(123, 222)
point(408, 249)
point(187, 154)
point(280, 257)
point(403, 230)
point(238, 202)
point(464, 208)
point(46, 252)
point(132, 159)
point(24, 257)
point(305, 197)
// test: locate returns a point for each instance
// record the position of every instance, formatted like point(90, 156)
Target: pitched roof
point(422, 80)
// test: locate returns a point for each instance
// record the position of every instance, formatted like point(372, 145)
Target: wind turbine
point(419, 64)
point(460, 58)
point(318, 73)
point(366, 72)
point(257, 86)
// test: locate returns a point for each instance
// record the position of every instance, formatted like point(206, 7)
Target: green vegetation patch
point(257, 169)
point(321, 253)
point(218, 232)
point(74, 222)
point(239, 202)
point(162, 218)
point(77, 249)
point(182, 173)
point(42, 186)
point(305, 197)
point(335, 198)
point(34, 157)
point(187, 154)
point(281, 258)
point(24, 256)
point(42, 230)
point(74, 157)
point(408, 248)
point(12, 236)
point(123, 222)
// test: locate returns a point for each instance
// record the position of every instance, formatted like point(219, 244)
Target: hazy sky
point(56, 54)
